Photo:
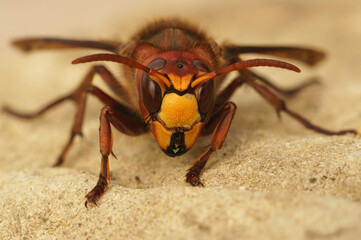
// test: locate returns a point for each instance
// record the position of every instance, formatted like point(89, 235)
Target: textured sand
point(272, 179)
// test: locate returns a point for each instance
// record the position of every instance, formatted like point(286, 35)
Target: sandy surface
point(272, 179)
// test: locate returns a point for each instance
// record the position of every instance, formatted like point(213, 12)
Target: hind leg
point(280, 106)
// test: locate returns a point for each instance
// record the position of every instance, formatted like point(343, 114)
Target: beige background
point(272, 179)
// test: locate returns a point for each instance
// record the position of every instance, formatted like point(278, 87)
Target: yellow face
point(179, 111)
point(178, 123)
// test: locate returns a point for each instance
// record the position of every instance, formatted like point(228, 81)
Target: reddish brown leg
point(106, 144)
point(280, 105)
point(228, 91)
point(224, 119)
point(306, 55)
point(123, 120)
point(110, 115)
point(40, 112)
point(79, 96)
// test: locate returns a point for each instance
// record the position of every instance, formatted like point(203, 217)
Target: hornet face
point(176, 113)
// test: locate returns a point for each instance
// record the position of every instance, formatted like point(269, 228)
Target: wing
point(308, 56)
point(31, 44)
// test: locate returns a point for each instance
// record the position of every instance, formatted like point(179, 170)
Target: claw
point(93, 202)
point(94, 195)
point(90, 200)
point(193, 180)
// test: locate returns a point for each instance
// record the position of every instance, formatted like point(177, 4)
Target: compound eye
point(206, 96)
point(151, 94)
point(157, 64)
point(201, 66)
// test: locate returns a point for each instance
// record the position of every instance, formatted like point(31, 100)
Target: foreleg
point(109, 116)
point(224, 119)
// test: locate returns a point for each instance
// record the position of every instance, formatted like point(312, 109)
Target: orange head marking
point(180, 83)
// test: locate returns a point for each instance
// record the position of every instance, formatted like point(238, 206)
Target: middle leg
point(245, 75)
point(79, 96)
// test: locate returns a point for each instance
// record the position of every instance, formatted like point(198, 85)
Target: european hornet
point(173, 72)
